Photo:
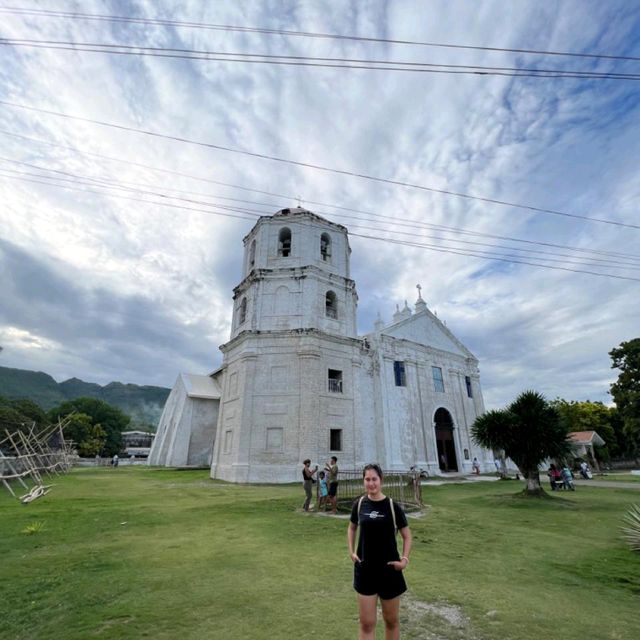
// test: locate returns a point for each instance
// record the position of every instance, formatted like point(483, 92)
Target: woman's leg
point(307, 490)
point(367, 614)
point(390, 613)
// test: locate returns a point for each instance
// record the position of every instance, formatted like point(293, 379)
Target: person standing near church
point(377, 565)
point(307, 482)
point(332, 470)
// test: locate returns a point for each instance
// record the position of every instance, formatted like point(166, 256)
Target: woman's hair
point(373, 466)
point(307, 461)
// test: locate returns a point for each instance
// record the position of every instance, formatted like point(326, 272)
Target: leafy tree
point(89, 438)
point(591, 416)
point(20, 415)
point(111, 419)
point(529, 430)
point(626, 390)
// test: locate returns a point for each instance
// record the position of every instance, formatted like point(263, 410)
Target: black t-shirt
point(377, 540)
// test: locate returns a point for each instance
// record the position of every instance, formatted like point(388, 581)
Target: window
point(331, 305)
point(467, 380)
point(399, 373)
point(335, 440)
point(438, 382)
point(242, 313)
point(252, 255)
point(284, 242)
point(335, 381)
point(325, 247)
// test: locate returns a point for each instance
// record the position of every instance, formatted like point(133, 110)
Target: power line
point(453, 251)
point(300, 34)
point(545, 266)
point(137, 188)
point(310, 61)
point(307, 165)
point(397, 221)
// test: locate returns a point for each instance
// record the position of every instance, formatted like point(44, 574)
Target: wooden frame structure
point(25, 458)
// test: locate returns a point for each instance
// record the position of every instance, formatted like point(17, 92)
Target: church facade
point(298, 382)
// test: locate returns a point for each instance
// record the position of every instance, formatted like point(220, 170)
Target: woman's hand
point(354, 558)
point(399, 565)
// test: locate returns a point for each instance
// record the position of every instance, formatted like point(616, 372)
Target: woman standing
point(307, 482)
point(377, 565)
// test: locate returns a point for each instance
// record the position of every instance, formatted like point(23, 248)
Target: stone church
point(298, 382)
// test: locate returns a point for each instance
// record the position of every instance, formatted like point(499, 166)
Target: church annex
point(297, 381)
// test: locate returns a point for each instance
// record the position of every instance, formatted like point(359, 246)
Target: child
point(324, 490)
point(567, 479)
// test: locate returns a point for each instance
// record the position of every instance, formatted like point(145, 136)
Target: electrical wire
point(405, 222)
point(301, 34)
point(437, 248)
point(307, 165)
point(143, 189)
point(310, 61)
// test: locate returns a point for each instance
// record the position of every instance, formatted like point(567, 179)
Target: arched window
point(252, 255)
point(325, 247)
point(284, 242)
point(331, 305)
point(242, 313)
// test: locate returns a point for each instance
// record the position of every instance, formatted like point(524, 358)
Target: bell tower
point(289, 367)
point(296, 276)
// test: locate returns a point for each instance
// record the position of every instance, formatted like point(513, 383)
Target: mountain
point(143, 403)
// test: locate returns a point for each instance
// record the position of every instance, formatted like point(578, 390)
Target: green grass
point(618, 477)
point(147, 553)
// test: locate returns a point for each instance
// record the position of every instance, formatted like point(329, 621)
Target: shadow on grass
point(522, 499)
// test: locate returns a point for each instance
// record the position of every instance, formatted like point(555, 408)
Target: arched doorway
point(447, 460)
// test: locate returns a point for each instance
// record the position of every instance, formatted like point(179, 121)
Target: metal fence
point(402, 486)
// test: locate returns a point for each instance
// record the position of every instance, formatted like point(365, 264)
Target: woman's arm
point(401, 564)
point(351, 539)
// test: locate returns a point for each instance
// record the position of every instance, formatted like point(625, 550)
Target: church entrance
point(447, 460)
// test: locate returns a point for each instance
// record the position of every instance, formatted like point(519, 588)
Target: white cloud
point(156, 281)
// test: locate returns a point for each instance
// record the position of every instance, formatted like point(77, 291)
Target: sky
point(119, 249)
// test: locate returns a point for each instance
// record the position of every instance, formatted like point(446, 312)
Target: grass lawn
point(154, 553)
point(618, 477)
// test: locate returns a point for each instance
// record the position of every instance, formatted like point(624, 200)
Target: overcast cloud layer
point(106, 288)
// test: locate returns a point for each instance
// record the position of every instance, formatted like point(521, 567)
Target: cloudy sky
point(119, 249)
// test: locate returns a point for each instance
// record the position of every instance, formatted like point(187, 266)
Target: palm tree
point(529, 430)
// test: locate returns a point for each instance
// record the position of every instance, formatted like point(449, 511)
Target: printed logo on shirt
point(375, 514)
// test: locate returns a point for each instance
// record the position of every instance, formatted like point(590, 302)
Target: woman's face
point(372, 482)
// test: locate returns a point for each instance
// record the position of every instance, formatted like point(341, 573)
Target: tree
point(626, 390)
point(591, 416)
point(111, 419)
point(529, 430)
point(20, 415)
point(88, 438)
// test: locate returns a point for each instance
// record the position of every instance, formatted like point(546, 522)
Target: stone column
point(311, 381)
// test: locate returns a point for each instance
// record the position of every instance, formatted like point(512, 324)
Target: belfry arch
point(443, 425)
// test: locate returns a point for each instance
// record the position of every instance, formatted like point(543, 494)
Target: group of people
point(328, 481)
point(560, 478)
point(377, 565)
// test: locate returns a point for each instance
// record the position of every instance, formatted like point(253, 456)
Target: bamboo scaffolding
point(31, 456)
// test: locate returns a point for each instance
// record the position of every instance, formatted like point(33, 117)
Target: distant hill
point(143, 403)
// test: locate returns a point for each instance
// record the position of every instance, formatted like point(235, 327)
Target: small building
point(583, 443)
point(137, 444)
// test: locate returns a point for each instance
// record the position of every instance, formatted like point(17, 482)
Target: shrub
point(631, 532)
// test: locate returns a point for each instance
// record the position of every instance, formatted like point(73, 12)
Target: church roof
point(426, 329)
point(203, 387)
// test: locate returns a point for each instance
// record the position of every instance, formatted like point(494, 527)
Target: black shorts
point(382, 580)
point(333, 489)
